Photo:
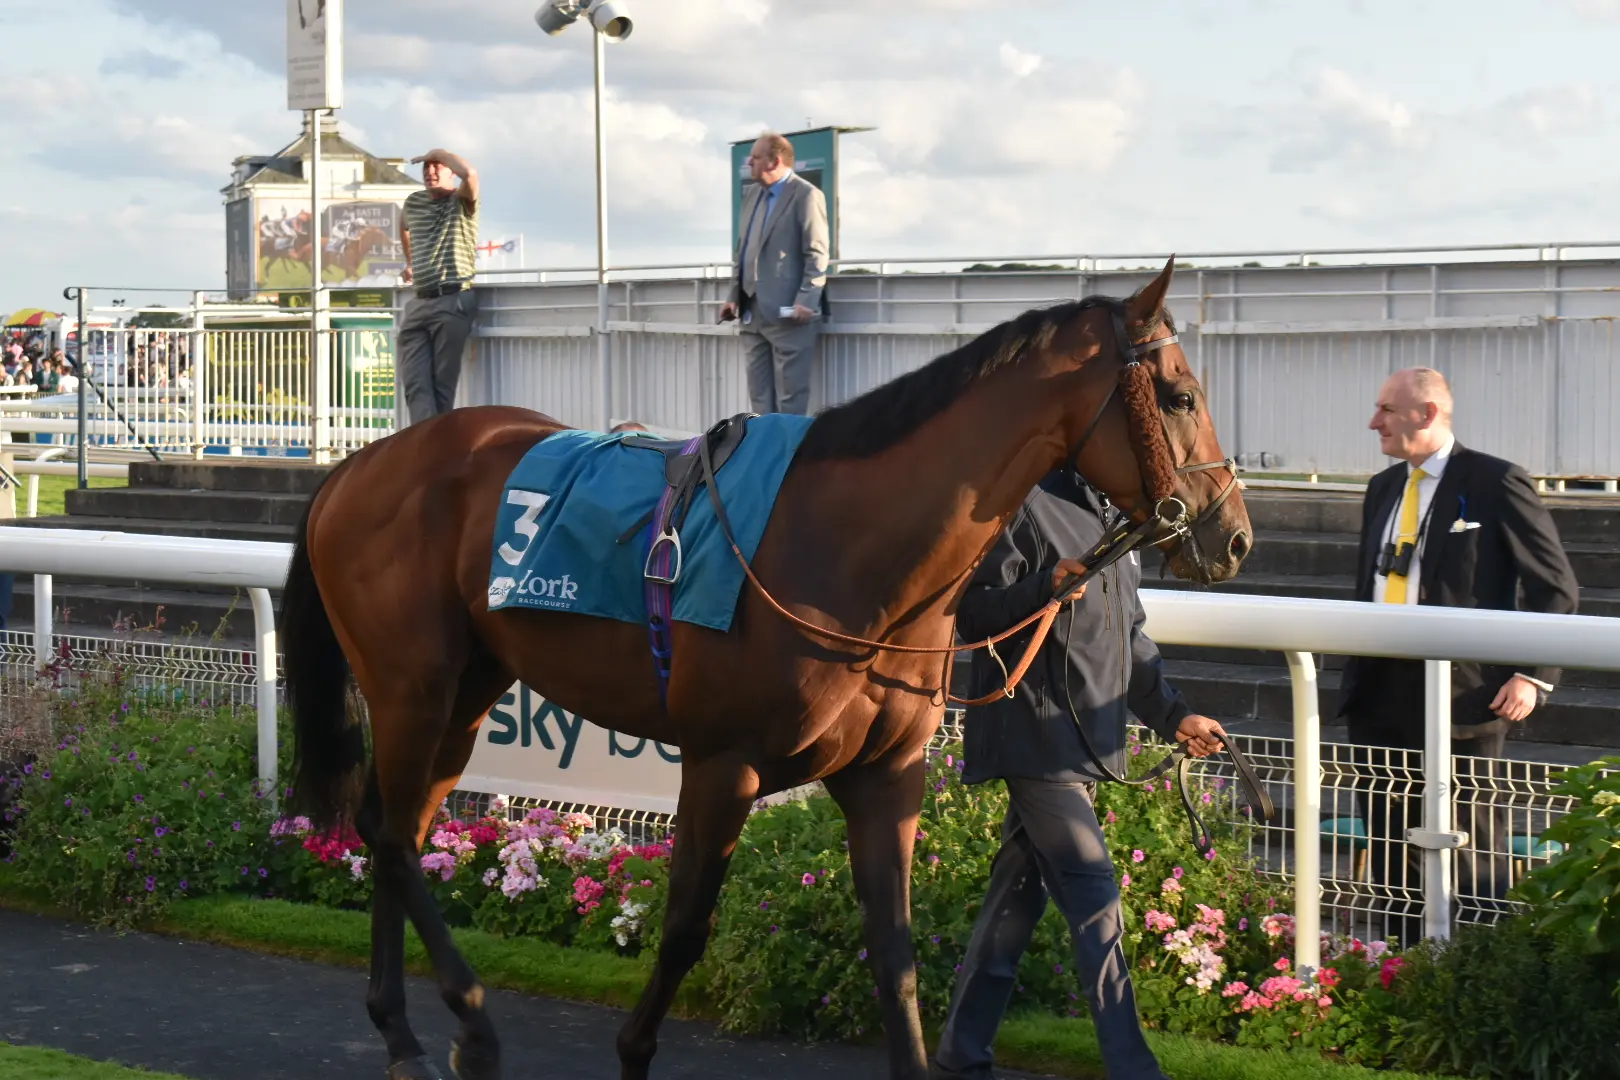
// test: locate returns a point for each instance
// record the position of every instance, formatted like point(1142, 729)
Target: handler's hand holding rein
point(1200, 735)
point(1063, 571)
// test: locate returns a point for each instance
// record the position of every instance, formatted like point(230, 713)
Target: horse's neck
point(928, 508)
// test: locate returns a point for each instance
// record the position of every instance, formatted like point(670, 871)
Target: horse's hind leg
point(413, 773)
point(881, 803)
point(715, 798)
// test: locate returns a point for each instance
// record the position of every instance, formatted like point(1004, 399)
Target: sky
point(1042, 127)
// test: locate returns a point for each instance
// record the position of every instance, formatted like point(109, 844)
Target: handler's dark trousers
point(1051, 844)
point(431, 340)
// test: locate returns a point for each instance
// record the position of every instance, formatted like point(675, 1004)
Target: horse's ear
point(1149, 299)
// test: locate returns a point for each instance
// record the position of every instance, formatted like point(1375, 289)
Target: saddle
point(683, 477)
point(686, 463)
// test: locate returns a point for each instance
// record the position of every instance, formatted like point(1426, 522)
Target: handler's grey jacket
point(1111, 663)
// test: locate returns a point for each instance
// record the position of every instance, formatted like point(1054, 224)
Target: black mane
point(887, 414)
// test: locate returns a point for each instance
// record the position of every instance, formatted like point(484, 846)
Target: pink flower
point(1125, 882)
point(1158, 921)
point(1328, 977)
point(808, 879)
point(1282, 963)
point(1171, 885)
point(1390, 969)
point(1243, 924)
point(1138, 856)
point(1324, 1001)
point(1252, 1001)
point(1110, 819)
point(1235, 989)
point(1176, 873)
point(1209, 856)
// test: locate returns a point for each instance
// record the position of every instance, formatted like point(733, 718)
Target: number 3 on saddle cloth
point(614, 525)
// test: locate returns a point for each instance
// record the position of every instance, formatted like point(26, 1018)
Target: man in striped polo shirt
point(440, 234)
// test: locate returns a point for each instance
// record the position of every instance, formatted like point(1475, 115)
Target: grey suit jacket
point(793, 253)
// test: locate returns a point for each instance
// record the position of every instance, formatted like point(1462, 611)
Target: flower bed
point(145, 802)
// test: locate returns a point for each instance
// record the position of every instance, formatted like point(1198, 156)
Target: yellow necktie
point(1395, 586)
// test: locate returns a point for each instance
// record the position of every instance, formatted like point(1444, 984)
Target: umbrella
point(32, 316)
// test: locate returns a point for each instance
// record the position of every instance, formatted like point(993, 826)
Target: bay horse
point(890, 502)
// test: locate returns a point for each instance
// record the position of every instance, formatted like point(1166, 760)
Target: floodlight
point(555, 16)
point(611, 19)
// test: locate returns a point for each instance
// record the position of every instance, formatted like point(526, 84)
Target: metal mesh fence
point(1372, 883)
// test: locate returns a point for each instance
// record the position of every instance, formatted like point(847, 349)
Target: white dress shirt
point(1433, 468)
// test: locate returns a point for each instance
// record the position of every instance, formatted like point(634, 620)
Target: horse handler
point(1060, 734)
point(439, 230)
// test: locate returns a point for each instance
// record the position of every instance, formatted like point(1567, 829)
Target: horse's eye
point(1182, 402)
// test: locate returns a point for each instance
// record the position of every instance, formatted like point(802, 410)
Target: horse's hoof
point(475, 1062)
point(417, 1068)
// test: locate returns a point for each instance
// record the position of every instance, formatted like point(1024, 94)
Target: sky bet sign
point(529, 746)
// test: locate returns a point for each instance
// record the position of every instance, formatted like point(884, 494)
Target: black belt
point(433, 292)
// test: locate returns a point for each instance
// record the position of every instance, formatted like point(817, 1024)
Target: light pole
point(610, 21)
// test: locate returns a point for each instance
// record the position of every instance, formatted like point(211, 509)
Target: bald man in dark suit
point(1469, 531)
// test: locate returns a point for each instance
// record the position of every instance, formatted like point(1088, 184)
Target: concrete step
point(164, 527)
point(1575, 715)
point(99, 609)
point(1586, 519)
point(1313, 554)
point(171, 504)
point(273, 476)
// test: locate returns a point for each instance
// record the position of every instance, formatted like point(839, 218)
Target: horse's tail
point(329, 745)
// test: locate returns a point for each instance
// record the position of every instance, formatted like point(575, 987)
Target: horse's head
point(1174, 471)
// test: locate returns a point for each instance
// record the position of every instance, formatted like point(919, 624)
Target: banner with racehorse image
point(360, 244)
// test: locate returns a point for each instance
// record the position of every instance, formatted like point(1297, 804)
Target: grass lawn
point(34, 1063)
point(52, 494)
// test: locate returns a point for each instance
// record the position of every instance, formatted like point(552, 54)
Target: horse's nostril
point(1239, 546)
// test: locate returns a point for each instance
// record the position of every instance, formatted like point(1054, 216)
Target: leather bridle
point(1168, 519)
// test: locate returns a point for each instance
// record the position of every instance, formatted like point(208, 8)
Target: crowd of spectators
point(24, 363)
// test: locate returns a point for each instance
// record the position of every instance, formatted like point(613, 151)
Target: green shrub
point(1578, 892)
point(789, 925)
point(147, 798)
point(1510, 1002)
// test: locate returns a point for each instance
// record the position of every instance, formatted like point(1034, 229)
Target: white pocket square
point(1463, 526)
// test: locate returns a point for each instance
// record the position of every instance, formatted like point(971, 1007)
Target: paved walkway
point(217, 1013)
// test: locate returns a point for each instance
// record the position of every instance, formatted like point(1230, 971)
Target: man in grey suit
point(781, 261)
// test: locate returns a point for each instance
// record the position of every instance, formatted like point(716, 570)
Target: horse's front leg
point(881, 803)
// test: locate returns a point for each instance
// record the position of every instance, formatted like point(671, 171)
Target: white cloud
point(1342, 97)
point(1019, 63)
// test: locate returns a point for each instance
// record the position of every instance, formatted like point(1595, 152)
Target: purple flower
point(263, 872)
point(184, 885)
point(808, 879)
point(140, 798)
point(934, 938)
point(28, 769)
point(861, 955)
point(161, 831)
point(133, 755)
point(68, 801)
point(932, 859)
point(236, 826)
point(47, 774)
point(151, 884)
point(764, 905)
point(774, 928)
point(1243, 924)
point(1057, 969)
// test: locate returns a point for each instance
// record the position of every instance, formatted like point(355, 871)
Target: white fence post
point(1437, 837)
point(42, 623)
point(199, 364)
point(1307, 815)
point(264, 630)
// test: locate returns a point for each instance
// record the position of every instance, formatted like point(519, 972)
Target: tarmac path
point(217, 1013)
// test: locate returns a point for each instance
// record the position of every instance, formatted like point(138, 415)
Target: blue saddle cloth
point(576, 493)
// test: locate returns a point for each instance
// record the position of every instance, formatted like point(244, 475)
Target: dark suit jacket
point(1516, 547)
point(1096, 657)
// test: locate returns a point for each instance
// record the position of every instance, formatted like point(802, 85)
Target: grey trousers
point(430, 343)
point(779, 358)
point(1051, 845)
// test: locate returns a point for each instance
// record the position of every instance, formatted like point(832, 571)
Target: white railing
point(1298, 628)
